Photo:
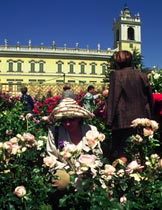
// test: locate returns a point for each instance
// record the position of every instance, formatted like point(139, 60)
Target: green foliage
point(131, 186)
point(11, 122)
point(24, 167)
point(84, 199)
point(137, 59)
point(155, 78)
point(109, 69)
point(23, 147)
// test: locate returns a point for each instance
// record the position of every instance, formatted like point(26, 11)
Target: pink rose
point(133, 166)
point(146, 122)
point(66, 154)
point(109, 169)
point(92, 143)
point(28, 137)
point(87, 160)
point(20, 191)
point(136, 122)
point(15, 149)
point(14, 140)
point(50, 161)
point(8, 146)
point(148, 132)
point(92, 138)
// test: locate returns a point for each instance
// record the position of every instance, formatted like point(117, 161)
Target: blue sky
point(87, 22)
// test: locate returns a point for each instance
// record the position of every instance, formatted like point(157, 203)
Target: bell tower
point(127, 31)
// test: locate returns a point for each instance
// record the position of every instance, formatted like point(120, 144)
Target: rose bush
point(24, 182)
point(156, 80)
point(118, 185)
point(26, 172)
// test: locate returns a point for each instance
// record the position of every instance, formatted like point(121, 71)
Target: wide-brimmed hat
point(69, 108)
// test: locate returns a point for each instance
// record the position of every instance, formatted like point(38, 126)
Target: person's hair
point(66, 87)
point(123, 59)
point(24, 90)
point(90, 87)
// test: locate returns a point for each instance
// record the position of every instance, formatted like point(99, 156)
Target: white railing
point(56, 50)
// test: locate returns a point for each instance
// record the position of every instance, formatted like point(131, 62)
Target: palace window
point(71, 81)
point(92, 82)
point(60, 81)
point(37, 66)
point(82, 68)
point(19, 81)
point(32, 80)
point(19, 67)
point(71, 67)
point(82, 82)
point(104, 68)
point(59, 66)
point(10, 66)
point(32, 67)
point(41, 67)
point(93, 68)
point(41, 81)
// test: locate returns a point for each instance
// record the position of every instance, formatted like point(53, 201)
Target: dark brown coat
point(130, 97)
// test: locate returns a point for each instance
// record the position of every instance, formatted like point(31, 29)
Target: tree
point(137, 59)
point(110, 68)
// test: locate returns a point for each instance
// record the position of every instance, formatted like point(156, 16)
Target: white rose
point(109, 169)
point(20, 191)
point(49, 161)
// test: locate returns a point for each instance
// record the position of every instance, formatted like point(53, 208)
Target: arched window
point(32, 67)
point(82, 67)
point(93, 68)
point(59, 66)
point(10, 66)
point(41, 66)
point(71, 67)
point(19, 67)
point(104, 68)
point(130, 33)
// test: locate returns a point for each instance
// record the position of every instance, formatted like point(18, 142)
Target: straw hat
point(68, 108)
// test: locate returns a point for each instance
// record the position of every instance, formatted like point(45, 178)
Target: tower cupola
point(127, 31)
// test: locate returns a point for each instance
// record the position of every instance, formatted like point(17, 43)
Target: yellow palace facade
point(51, 64)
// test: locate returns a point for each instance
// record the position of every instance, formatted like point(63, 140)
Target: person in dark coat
point(130, 97)
point(27, 100)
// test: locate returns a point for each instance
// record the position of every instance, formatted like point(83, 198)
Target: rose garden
point(25, 168)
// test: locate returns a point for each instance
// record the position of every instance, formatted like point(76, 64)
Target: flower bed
point(27, 173)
